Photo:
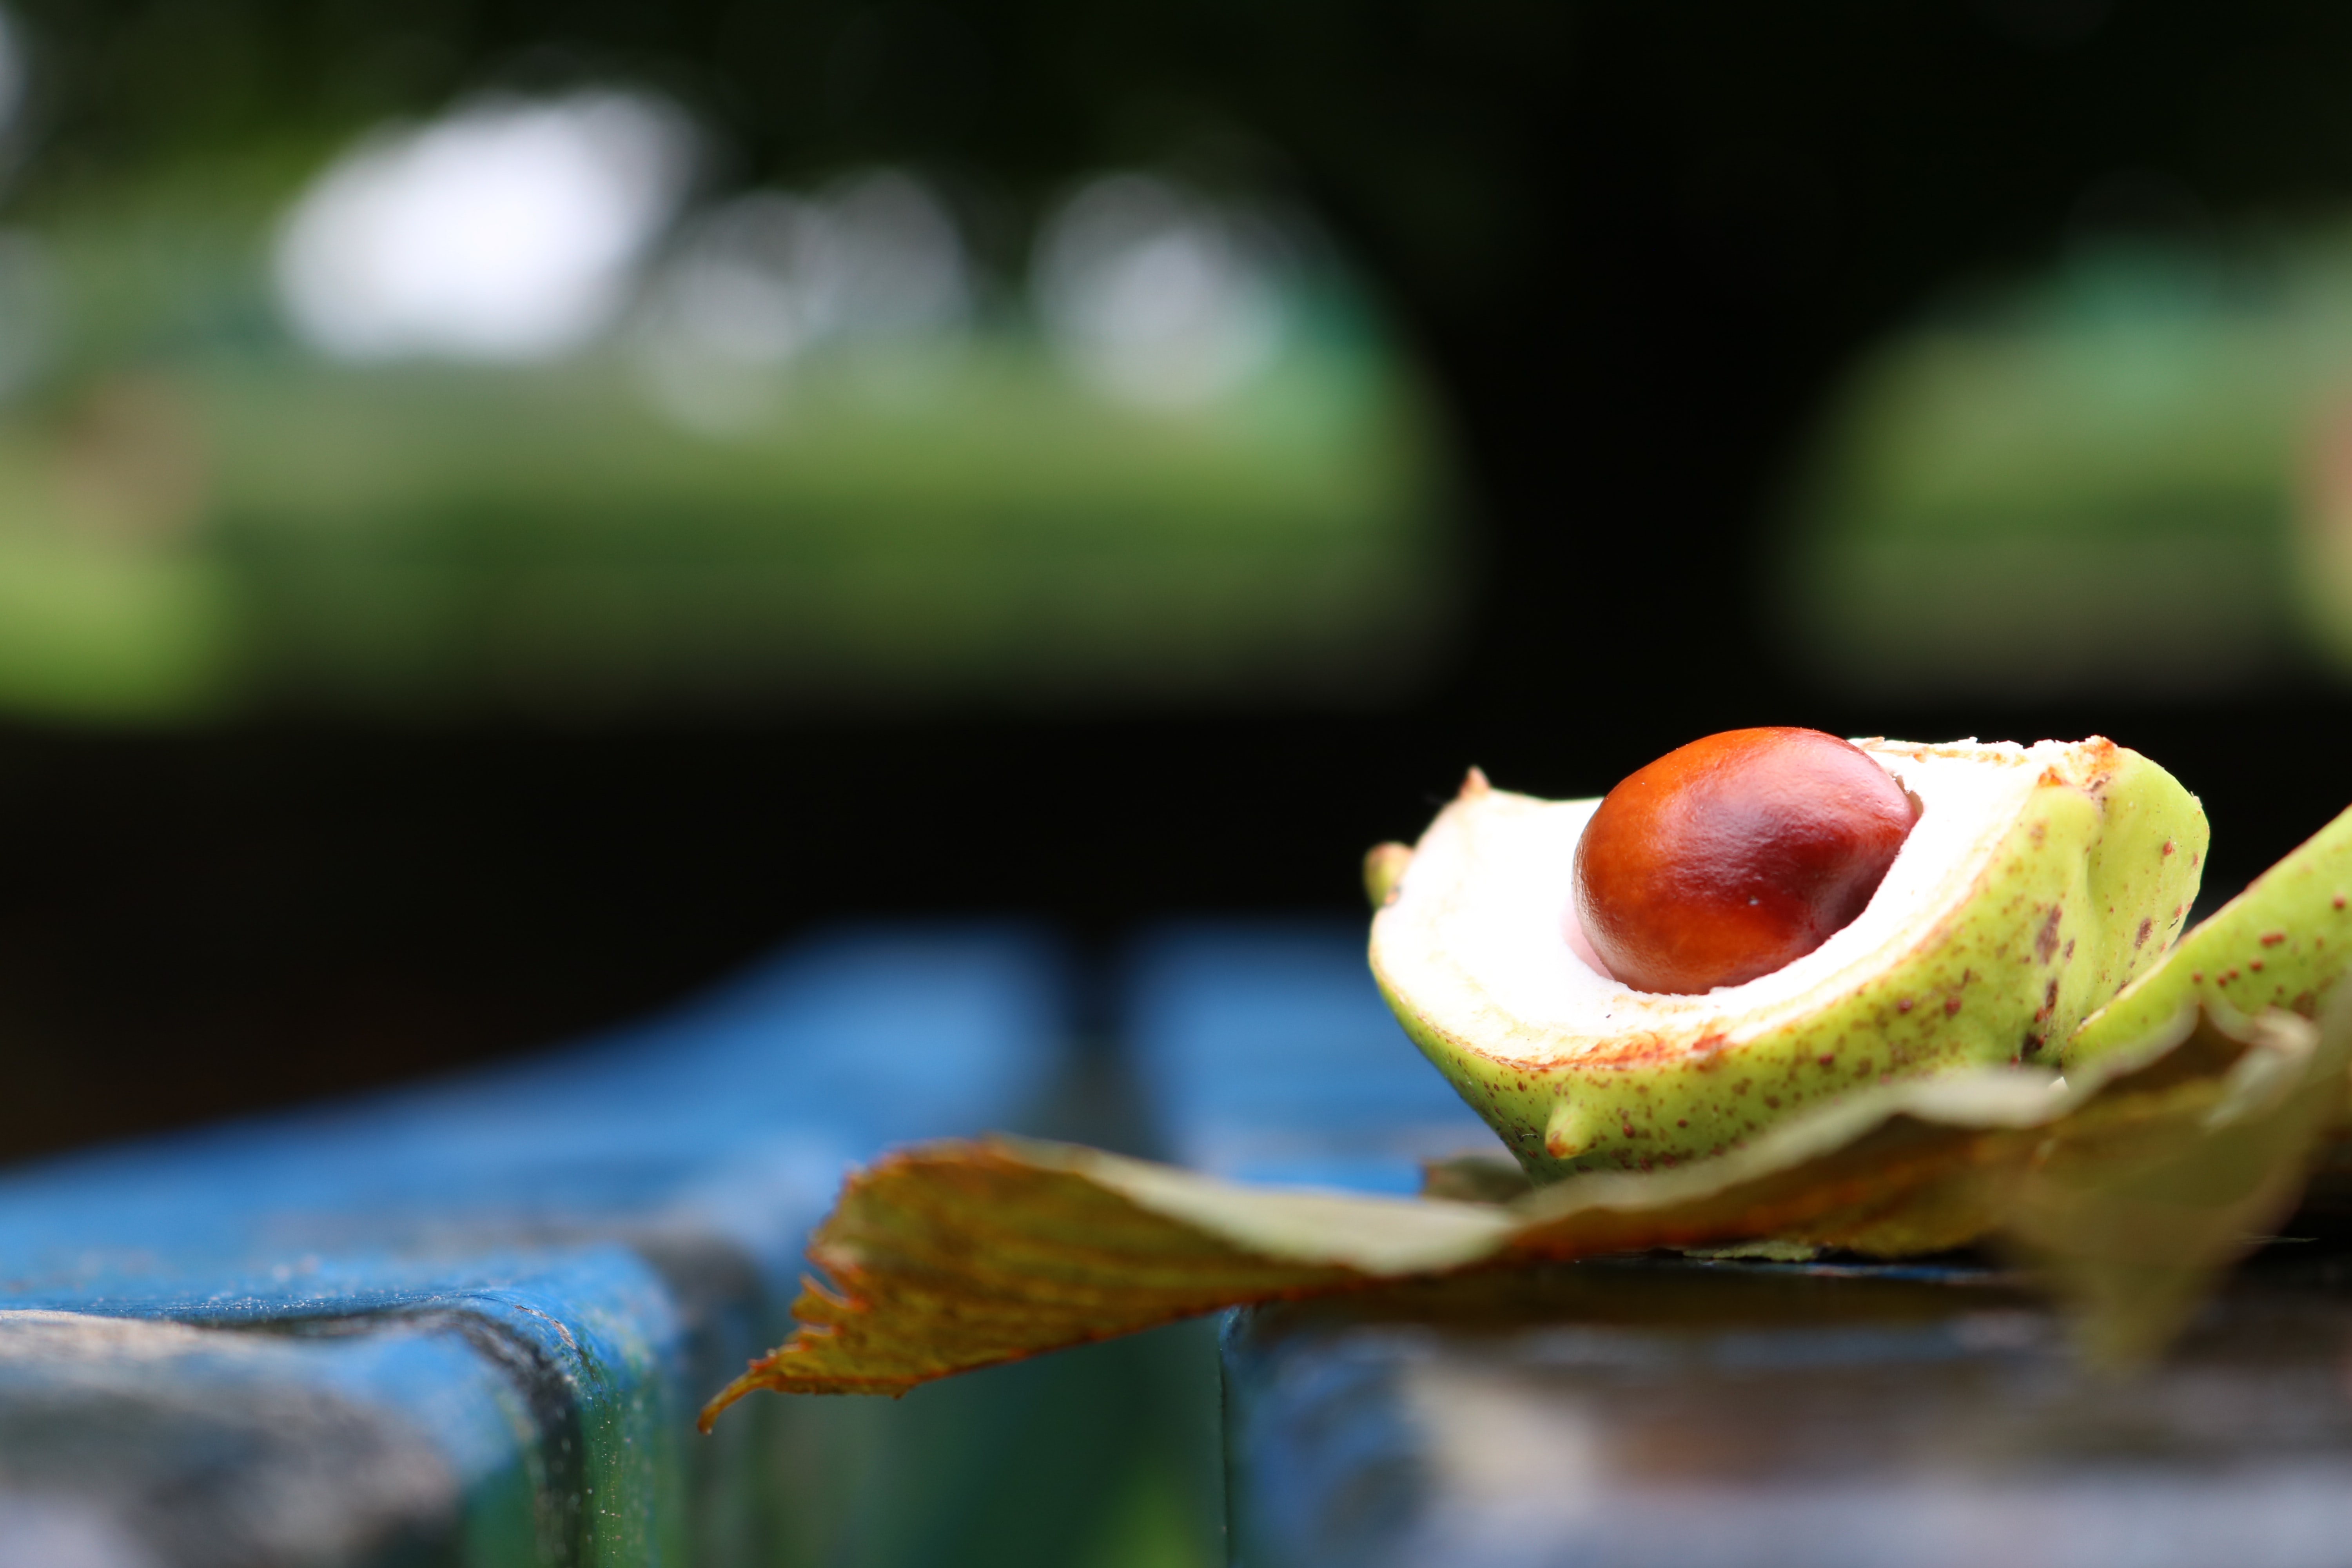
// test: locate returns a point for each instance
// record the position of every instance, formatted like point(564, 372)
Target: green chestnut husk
point(2040, 883)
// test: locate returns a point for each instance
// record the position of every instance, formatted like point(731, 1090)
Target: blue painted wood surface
point(1265, 1054)
point(475, 1318)
point(471, 1321)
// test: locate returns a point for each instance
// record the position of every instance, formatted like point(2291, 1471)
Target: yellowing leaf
point(2129, 1211)
point(2130, 1184)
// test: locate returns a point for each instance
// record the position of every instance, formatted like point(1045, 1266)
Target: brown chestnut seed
point(1734, 855)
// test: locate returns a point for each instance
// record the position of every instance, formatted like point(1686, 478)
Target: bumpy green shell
point(2088, 889)
point(2283, 942)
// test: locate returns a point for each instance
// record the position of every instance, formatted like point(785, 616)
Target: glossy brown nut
point(1734, 855)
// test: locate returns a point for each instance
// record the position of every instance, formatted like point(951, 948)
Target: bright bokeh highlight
point(507, 230)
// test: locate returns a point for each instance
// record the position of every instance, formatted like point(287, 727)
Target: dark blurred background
point(1094, 462)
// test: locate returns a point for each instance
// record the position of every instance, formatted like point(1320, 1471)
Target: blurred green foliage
point(2103, 479)
point(195, 539)
point(199, 518)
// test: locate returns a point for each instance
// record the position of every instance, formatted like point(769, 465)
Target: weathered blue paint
point(1266, 1054)
point(476, 1316)
point(507, 1292)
